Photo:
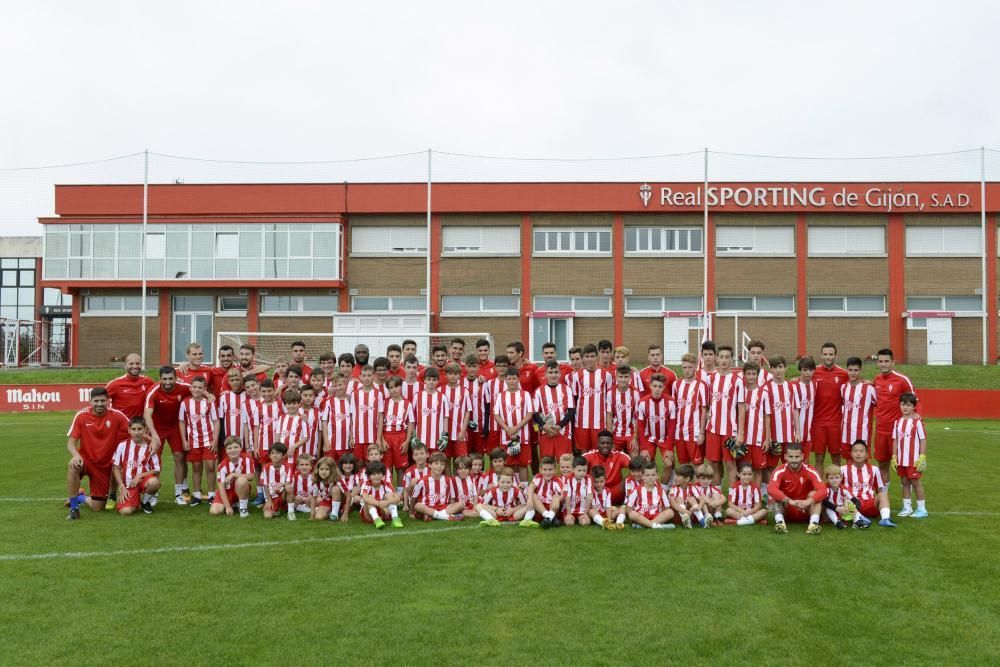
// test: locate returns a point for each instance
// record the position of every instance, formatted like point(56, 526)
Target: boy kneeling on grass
point(234, 479)
point(136, 469)
point(379, 500)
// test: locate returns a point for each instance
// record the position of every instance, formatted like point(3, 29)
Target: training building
point(868, 265)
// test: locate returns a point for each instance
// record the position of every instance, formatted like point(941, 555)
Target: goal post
point(273, 347)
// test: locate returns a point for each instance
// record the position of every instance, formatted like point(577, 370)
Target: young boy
point(683, 498)
point(602, 512)
point(909, 444)
point(710, 498)
point(491, 394)
point(381, 368)
point(545, 494)
point(634, 479)
point(338, 420)
point(859, 399)
point(513, 412)
point(565, 468)
point(490, 477)
point(234, 478)
point(590, 386)
point(365, 401)
point(464, 486)
point(503, 502)
point(476, 434)
point(433, 494)
point(575, 361)
point(784, 403)
point(755, 430)
point(725, 411)
point(414, 474)
point(691, 407)
point(411, 384)
point(805, 392)
point(622, 406)
point(839, 503)
point(755, 353)
point(655, 423)
point(456, 395)
point(430, 413)
point(379, 501)
point(745, 506)
point(232, 408)
point(292, 429)
point(648, 506)
point(264, 417)
point(579, 494)
point(554, 411)
point(199, 427)
point(136, 469)
point(313, 420)
point(864, 481)
point(301, 485)
point(275, 481)
point(395, 430)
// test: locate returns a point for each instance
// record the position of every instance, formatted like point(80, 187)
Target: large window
point(388, 241)
point(962, 306)
point(494, 241)
point(389, 304)
point(194, 252)
point(663, 240)
point(280, 304)
point(118, 306)
point(480, 305)
point(851, 241)
point(17, 294)
point(657, 305)
point(572, 241)
point(581, 305)
point(756, 304)
point(846, 305)
point(765, 241)
point(938, 241)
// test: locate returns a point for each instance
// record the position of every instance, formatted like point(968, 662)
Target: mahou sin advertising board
point(44, 397)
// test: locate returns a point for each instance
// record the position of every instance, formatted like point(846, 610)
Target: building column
point(990, 298)
point(253, 310)
point(434, 289)
point(74, 343)
point(618, 301)
point(801, 298)
point(896, 241)
point(344, 293)
point(709, 249)
point(527, 233)
point(164, 314)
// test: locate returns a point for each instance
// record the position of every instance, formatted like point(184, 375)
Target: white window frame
point(573, 302)
point(418, 250)
point(485, 247)
point(754, 312)
point(298, 310)
point(920, 323)
point(226, 312)
point(663, 305)
point(573, 232)
point(752, 250)
point(152, 306)
point(663, 233)
point(231, 245)
point(482, 312)
point(392, 309)
point(844, 312)
point(154, 250)
point(843, 248)
point(936, 247)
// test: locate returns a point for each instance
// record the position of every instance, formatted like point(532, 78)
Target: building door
point(558, 330)
point(938, 341)
point(380, 331)
point(193, 323)
point(675, 338)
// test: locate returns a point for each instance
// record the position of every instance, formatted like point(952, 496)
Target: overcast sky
point(288, 81)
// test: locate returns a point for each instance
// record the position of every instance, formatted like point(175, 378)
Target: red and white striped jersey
point(348, 483)
point(265, 417)
point(459, 406)
point(624, 408)
point(682, 493)
point(547, 489)
point(491, 392)
point(274, 478)
point(377, 492)
point(198, 416)
point(313, 420)
point(301, 484)
point(656, 418)
point(864, 482)
point(726, 392)
point(410, 391)
point(414, 474)
point(758, 410)
point(706, 491)
point(321, 490)
point(601, 501)
point(577, 492)
point(690, 397)
point(514, 406)
point(135, 459)
point(396, 415)
point(477, 403)
point(648, 502)
point(430, 414)
point(589, 391)
point(366, 408)
point(806, 393)
point(553, 403)
point(232, 409)
point(464, 489)
point(764, 377)
point(907, 434)
point(243, 465)
point(839, 496)
point(510, 499)
point(859, 399)
point(631, 484)
point(637, 383)
point(338, 417)
point(292, 429)
point(435, 493)
point(744, 497)
point(784, 410)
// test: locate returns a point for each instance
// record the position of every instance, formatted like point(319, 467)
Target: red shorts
point(688, 451)
point(772, 460)
point(728, 456)
point(336, 455)
point(280, 505)
point(795, 515)
point(328, 503)
point(360, 450)
point(132, 496)
point(648, 515)
point(908, 472)
point(457, 448)
point(523, 458)
point(714, 447)
point(623, 444)
point(825, 438)
point(493, 438)
point(585, 439)
point(100, 479)
point(393, 457)
point(806, 450)
point(758, 457)
point(869, 507)
point(554, 445)
point(199, 454)
point(477, 443)
point(883, 448)
point(230, 493)
point(173, 438)
point(367, 518)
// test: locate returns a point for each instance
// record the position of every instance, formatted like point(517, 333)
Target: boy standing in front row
point(909, 459)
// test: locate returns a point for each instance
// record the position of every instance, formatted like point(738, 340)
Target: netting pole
point(142, 255)
point(704, 262)
point(427, 278)
point(982, 214)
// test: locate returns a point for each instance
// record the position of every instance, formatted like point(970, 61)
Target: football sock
point(211, 496)
point(621, 518)
point(885, 513)
point(485, 516)
point(146, 497)
point(393, 511)
point(74, 502)
point(373, 513)
point(336, 508)
point(779, 517)
point(599, 520)
point(243, 504)
point(178, 489)
point(440, 515)
point(529, 515)
point(548, 514)
point(832, 515)
point(921, 505)
point(197, 494)
point(185, 488)
point(698, 515)
point(814, 518)
point(907, 504)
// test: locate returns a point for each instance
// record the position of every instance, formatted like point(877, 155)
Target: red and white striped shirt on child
point(623, 407)
point(744, 497)
point(377, 492)
point(313, 420)
point(265, 417)
point(864, 482)
point(232, 413)
point(464, 489)
point(273, 478)
point(859, 400)
point(648, 502)
point(589, 391)
point(690, 398)
point(410, 391)
point(491, 393)
point(476, 403)
point(244, 465)
point(757, 413)
point(907, 434)
point(601, 501)
point(430, 412)
point(577, 491)
point(513, 406)
point(682, 493)
point(396, 415)
point(485, 480)
point(321, 490)
point(292, 429)
point(554, 402)
point(366, 408)
point(631, 484)
point(547, 489)
point(806, 393)
point(726, 392)
point(839, 496)
point(135, 459)
point(784, 410)
point(414, 474)
point(348, 483)
point(338, 415)
point(654, 418)
point(198, 415)
point(301, 484)
point(494, 497)
point(435, 493)
point(459, 405)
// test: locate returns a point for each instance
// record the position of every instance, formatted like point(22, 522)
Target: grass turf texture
point(450, 593)
point(931, 377)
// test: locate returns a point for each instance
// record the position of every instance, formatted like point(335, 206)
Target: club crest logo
point(645, 194)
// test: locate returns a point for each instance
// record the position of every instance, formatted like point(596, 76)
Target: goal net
point(274, 347)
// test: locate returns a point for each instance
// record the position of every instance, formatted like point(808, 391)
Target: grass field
point(182, 587)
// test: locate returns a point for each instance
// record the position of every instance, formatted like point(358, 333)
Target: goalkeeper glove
point(922, 463)
point(892, 464)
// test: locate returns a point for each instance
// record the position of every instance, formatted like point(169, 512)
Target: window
point(937, 241)
point(487, 305)
point(847, 305)
point(384, 304)
point(387, 241)
point(962, 306)
point(227, 245)
point(156, 246)
point(663, 240)
point(292, 304)
point(756, 304)
point(755, 241)
point(481, 241)
point(233, 304)
point(640, 305)
point(17, 294)
point(851, 241)
point(118, 306)
point(581, 305)
point(570, 241)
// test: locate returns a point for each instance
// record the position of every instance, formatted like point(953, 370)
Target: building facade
point(865, 265)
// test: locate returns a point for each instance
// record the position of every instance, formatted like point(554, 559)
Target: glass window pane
point(924, 303)
point(731, 303)
point(918, 323)
point(104, 268)
point(696, 240)
point(79, 244)
point(460, 304)
point(299, 268)
point(682, 303)
point(776, 304)
point(866, 304)
point(409, 303)
point(592, 303)
point(326, 244)
point(631, 239)
point(227, 245)
point(56, 244)
point(564, 243)
point(8, 296)
point(251, 243)
point(156, 246)
point(226, 269)
point(319, 303)
point(501, 303)
point(643, 304)
point(129, 244)
point(540, 241)
point(25, 313)
point(324, 268)
point(300, 244)
point(250, 268)
point(233, 303)
point(8, 263)
point(963, 303)
point(370, 303)
point(25, 296)
point(10, 278)
point(826, 303)
point(579, 240)
point(26, 278)
point(104, 242)
point(604, 240)
point(554, 303)
point(682, 239)
point(202, 243)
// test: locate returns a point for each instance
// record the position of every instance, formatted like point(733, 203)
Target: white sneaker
point(244, 513)
point(302, 508)
point(334, 517)
point(906, 511)
point(179, 500)
point(154, 500)
point(291, 516)
point(745, 521)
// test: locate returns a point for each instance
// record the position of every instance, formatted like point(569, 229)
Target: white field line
point(52, 555)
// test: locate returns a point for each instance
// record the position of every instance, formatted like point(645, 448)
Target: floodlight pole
point(427, 278)
point(982, 213)
point(142, 254)
point(704, 246)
